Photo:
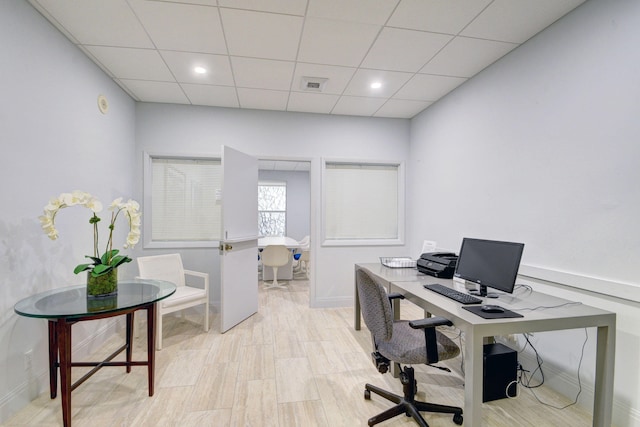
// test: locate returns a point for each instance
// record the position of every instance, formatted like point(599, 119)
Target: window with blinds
point(363, 203)
point(183, 200)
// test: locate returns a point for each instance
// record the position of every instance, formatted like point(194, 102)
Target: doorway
point(288, 182)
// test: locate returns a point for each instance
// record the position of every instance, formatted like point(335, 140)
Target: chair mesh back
point(375, 306)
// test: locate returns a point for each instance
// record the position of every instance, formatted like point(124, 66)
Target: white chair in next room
point(275, 256)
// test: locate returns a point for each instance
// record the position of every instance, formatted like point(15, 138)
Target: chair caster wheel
point(457, 418)
point(367, 395)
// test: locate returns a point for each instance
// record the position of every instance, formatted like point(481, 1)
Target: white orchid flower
point(77, 197)
point(116, 204)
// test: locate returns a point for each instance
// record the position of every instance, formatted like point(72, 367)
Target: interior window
point(272, 208)
point(363, 203)
point(183, 200)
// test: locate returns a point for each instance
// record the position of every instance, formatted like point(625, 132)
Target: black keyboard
point(461, 297)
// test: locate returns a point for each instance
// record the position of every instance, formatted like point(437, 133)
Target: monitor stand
point(483, 293)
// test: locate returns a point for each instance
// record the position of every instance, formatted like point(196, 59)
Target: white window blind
point(183, 199)
point(361, 201)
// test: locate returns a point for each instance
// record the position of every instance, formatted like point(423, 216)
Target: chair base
point(407, 404)
point(275, 284)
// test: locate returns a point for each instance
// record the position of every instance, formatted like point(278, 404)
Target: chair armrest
point(428, 325)
point(430, 322)
point(204, 276)
point(196, 273)
point(393, 296)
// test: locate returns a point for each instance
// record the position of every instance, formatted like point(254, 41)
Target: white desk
point(476, 328)
point(289, 242)
point(285, 272)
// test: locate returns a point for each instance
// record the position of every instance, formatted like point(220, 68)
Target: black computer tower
point(500, 372)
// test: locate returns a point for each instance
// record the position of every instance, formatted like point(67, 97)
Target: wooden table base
point(60, 354)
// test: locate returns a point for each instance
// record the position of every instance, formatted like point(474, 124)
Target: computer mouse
point(492, 309)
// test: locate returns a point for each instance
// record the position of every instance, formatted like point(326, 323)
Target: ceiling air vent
point(313, 84)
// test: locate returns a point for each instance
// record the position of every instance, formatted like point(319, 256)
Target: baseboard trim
point(567, 385)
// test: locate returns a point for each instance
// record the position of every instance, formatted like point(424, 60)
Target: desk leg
point(473, 380)
point(53, 359)
point(151, 345)
point(129, 334)
point(603, 388)
point(395, 306)
point(63, 332)
point(356, 320)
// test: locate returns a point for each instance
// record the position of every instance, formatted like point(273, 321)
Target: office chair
point(169, 268)
point(402, 342)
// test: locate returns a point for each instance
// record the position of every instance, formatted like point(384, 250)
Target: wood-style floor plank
point(287, 366)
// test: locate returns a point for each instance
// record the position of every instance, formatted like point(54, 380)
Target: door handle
point(225, 247)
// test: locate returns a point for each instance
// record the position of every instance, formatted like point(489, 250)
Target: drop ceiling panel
point(357, 106)
point(517, 20)
point(199, 28)
point(262, 73)
point(164, 92)
point(427, 87)
point(201, 2)
point(290, 7)
point(338, 77)
point(257, 51)
point(311, 102)
point(439, 16)
point(465, 57)
point(261, 99)
point(363, 11)
point(391, 81)
point(404, 50)
point(336, 42)
point(182, 66)
point(125, 63)
point(401, 108)
point(98, 22)
point(262, 35)
point(215, 96)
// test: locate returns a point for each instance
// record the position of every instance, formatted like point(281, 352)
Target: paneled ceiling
point(319, 56)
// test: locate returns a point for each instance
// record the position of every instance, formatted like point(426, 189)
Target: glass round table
point(65, 306)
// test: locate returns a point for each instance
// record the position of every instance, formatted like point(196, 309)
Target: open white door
point(239, 244)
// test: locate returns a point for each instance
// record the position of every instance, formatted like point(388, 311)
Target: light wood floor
point(288, 365)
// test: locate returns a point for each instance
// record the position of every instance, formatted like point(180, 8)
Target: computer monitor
point(490, 264)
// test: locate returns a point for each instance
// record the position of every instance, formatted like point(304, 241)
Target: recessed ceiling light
point(376, 85)
point(200, 70)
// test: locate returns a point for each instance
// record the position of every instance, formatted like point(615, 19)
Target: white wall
point(542, 148)
point(53, 140)
point(298, 199)
point(190, 130)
